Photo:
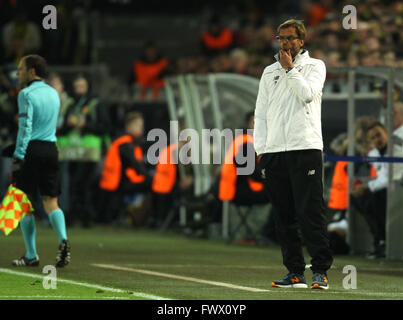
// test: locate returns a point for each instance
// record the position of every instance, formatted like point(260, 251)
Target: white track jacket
point(288, 106)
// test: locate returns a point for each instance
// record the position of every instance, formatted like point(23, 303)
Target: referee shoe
point(291, 280)
point(63, 254)
point(25, 262)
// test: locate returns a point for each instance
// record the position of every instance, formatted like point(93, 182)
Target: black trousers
point(294, 181)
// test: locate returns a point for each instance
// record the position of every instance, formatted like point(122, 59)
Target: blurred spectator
point(9, 89)
point(246, 36)
point(124, 172)
point(85, 128)
point(266, 40)
point(372, 44)
point(371, 59)
point(316, 12)
point(352, 59)
point(262, 41)
point(239, 189)
point(239, 59)
point(382, 87)
point(333, 59)
point(370, 197)
point(362, 143)
point(363, 31)
point(192, 64)
point(56, 82)
point(397, 139)
point(20, 37)
point(389, 59)
point(221, 63)
point(331, 41)
point(319, 54)
point(216, 39)
point(338, 198)
point(168, 187)
point(248, 28)
point(149, 71)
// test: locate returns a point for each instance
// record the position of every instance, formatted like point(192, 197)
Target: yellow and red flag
point(13, 208)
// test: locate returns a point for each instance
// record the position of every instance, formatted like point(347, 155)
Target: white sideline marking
point(273, 290)
point(63, 297)
point(174, 276)
point(84, 284)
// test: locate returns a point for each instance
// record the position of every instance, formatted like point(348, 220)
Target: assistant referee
point(35, 166)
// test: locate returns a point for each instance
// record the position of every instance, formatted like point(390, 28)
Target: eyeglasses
point(289, 38)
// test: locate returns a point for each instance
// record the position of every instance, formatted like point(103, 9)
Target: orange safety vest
point(227, 185)
point(222, 41)
point(165, 171)
point(372, 172)
point(112, 172)
point(338, 198)
point(317, 14)
point(147, 73)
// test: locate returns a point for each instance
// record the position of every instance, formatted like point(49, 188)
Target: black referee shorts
point(40, 171)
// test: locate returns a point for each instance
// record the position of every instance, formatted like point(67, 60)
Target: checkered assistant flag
point(13, 208)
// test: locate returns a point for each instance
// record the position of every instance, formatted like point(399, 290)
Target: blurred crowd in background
point(376, 42)
point(237, 36)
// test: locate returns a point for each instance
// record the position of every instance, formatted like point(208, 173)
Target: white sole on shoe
point(317, 286)
point(295, 285)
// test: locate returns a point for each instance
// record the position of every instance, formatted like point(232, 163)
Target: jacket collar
point(298, 58)
point(32, 81)
point(398, 131)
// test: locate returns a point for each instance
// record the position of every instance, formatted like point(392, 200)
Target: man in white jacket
point(288, 137)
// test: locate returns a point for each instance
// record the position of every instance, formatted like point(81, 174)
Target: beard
point(293, 51)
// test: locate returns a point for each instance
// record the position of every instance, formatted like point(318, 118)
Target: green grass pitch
point(109, 263)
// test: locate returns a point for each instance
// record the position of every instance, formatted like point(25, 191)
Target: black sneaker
point(63, 255)
point(291, 280)
point(320, 281)
point(379, 251)
point(24, 262)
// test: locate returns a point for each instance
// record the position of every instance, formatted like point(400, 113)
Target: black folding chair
point(243, 212)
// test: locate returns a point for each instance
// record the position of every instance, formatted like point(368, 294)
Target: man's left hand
point(286, 59)
point(16, 165)
point(359, 190)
